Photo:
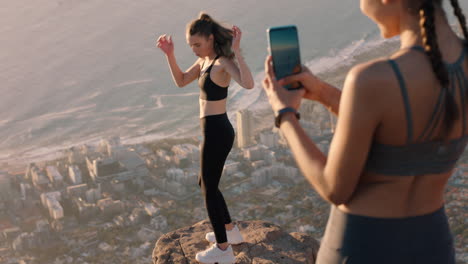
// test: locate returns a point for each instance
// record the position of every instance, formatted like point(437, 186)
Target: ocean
point(75, 72)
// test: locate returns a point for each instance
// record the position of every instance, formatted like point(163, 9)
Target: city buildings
point(245, 125)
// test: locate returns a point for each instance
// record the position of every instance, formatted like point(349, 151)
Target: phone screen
point(284, 49)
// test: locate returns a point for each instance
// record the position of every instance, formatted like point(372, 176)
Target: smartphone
point(283, 46)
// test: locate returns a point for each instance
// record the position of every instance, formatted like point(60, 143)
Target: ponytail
point(222, 36)
point(431, 48)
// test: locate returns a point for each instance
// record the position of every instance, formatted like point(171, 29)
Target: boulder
point(265, 243)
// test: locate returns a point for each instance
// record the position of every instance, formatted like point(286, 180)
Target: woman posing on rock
point(219, 60)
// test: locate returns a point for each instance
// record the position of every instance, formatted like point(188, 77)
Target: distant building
point(42, 226)
point(38, 178)
point(74, 173)
point(183, 177)
point(146, 234)
point(231, 168)
point(151, 210)
point(51, 196)
point(94, 194)
point(137, 216)
point(258, 164)
point(102, 167)
point(162, 154)
point(255, 153)
point(311, 128)
point(5, 187)
point(77, 190)
point(110, 146)
point(11, 233)
point(133, 163)
point(28, 174)
point(110, 207)
point(270, 157)
point(264, 176)
point(123, 166)
point(23, 190)
point(244, 128)
point(50, 201)
point(83, 210)
point(117, 186)
point(25, 241)
point(143, 151)
point(187, 151)
point(55, 210)
point(86, 150)
point(269, 139)
point(175, 174)
point(173, 187)
point(159, 223)
point(114, 146)
point(309, 111)
point(54, 175)
point(75, 156)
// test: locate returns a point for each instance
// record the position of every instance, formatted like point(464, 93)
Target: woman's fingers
point(292, 78)
point(269, 68)
point(162, 38)
point(236, 31)
point(266, 80)
point(266, 83)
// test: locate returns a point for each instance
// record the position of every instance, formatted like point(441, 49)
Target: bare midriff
point(208, 108)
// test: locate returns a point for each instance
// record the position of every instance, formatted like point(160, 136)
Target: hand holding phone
point(283, 46)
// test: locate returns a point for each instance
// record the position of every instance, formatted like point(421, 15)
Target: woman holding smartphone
point(219, 60)
point(401, 129)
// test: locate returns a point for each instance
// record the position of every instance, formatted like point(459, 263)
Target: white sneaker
point(214, 255)
point(234, 236)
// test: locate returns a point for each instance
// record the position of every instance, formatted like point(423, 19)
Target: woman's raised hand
point(278, 96)
point(165, 44)
point(236, 38)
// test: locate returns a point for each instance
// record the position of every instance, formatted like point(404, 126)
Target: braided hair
point(427, 12)
point(205, 26)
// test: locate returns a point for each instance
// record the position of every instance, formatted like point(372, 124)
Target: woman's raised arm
point(181, 79)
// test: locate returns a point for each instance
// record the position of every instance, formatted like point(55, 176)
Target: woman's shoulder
point(224, 60)
point(225, 63)
point(377, 72)
point(381, 68)
point(370, 83)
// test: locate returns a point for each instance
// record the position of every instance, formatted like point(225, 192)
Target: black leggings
point(352, 239)
point(217, 142)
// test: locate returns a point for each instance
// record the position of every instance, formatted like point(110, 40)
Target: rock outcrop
point(265, 243)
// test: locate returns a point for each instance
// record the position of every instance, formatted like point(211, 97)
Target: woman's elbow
point(249, 86)
point(338, 199)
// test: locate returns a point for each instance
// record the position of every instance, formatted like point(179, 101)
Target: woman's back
point(391, 187)
point(400, 131)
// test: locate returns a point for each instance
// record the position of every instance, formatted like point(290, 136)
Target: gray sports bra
point(423, 156)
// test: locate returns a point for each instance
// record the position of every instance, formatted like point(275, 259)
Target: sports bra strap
point(404, 93)
point(435, 117)
point(209, 67)
point(460, 79)
point(212, 63)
